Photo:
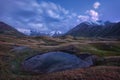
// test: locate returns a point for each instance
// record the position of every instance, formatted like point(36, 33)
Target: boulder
point(53, 62)
point(89, 58)
point(20, 49)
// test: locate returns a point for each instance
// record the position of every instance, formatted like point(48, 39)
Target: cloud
point(90, 15)
point(52, 14)
point(33, 15)
point(82, 18)
point(26, 31)
point(42, 16)
point(96, 5)
point(38, 27)
point(93, 14)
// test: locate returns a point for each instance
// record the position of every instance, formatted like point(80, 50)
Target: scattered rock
point(21, 50)
point(89, 58)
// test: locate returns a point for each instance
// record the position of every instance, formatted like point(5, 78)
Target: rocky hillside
point(8, 30)
point(96, 29)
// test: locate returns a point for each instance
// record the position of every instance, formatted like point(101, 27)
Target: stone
point(20, 49)
point(89, 58)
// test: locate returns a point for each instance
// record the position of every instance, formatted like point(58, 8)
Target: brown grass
point(93, 73)
point(46, 44)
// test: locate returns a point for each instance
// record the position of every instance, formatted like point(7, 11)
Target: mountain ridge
point(108, 29)
point(6, 29)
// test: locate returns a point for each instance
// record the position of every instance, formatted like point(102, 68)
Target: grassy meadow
point(108, 51)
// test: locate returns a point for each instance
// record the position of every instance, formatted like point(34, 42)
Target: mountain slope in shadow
point(6, 29)
point(91, 29)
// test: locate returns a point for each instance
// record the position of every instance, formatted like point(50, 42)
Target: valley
point(59, 40)
point(14, 50)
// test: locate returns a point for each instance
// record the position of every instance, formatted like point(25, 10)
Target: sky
point(56, 15)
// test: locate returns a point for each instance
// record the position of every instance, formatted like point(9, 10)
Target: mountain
point(51, 33)
point(55, 33)
point(37, 33)
point(8, 30)
point(96, 29)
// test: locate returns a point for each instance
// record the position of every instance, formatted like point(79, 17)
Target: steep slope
point(8, 30)
point(87, 29)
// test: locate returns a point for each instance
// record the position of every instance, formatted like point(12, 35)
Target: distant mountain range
point(6, 29)
point(52, 33)
point(96, 29)
point(9, 30)
point(85, 29)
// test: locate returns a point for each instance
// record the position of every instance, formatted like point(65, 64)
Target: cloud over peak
point(96, 5)
point(90, 15)
point(93, 14)
point(42, 16)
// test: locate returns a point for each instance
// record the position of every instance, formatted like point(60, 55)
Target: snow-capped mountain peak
point(95, 22)
point(54, 33)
